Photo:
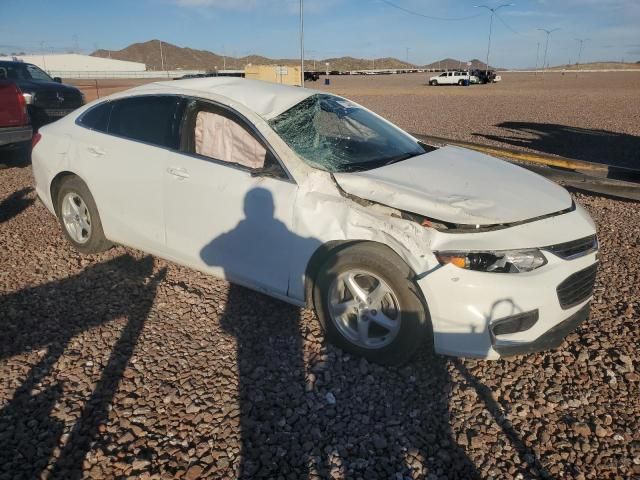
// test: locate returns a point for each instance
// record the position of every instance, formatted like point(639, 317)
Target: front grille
point(574, 248)
point(577, 287)
point(51, 99)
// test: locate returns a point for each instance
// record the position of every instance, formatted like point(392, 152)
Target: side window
point(36, 74)
point(97, 118)
point(152, 119)
point(443, 74)
point(216, 134)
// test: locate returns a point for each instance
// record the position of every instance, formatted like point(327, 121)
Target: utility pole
point(581, 41)
point(408, 54)
point(537, 58)
point(546, 47)
point(161, 56)
point(44, 63)
point(493, 12)
point(302, 43)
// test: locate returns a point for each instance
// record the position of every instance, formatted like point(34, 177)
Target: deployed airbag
point(219, 137)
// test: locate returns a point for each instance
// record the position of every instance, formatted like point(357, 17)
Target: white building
point(73, 65)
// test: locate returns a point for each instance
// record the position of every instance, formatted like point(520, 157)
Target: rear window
point(150, 119)
point(97, 118)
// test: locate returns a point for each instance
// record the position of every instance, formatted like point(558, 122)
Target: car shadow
point(15, 204)
point(309, 410)
point(591, 145)
point(42, 321)
point(18, 156)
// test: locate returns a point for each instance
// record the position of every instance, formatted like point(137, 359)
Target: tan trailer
point(285, 74)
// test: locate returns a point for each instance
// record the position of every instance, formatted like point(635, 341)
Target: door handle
point(98, 152)
point(178, 172)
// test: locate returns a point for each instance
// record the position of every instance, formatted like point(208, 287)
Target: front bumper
point(11, 135)
point(548, 341)
point(466, 305)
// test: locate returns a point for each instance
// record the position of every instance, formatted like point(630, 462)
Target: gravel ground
point(593, 117)
point(122, 365)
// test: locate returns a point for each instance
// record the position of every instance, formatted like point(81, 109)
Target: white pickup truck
point(453, 78)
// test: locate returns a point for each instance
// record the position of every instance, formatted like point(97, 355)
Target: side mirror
point(273, 170)
point(57, 79)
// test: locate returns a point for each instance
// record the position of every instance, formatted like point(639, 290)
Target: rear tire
point(79, 217)
point(388, 321)
point(461, 82)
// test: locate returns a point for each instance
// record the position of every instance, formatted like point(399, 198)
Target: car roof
point(266, 99)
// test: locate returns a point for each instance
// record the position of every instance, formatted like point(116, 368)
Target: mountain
point(453, 64)
point(185, 58)
point(190, 59)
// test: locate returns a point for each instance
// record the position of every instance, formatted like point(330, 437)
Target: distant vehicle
point(453, 78)
point(311, 76)
point(486, 76)
point(47, 99)
point(313, 199)
point(15, 125)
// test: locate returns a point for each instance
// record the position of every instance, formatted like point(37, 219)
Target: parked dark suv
point(47, 98)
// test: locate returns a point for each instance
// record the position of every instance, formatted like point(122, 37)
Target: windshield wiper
point(397, 158)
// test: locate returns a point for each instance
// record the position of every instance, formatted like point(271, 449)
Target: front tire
point(79, 217)
point(369, 305)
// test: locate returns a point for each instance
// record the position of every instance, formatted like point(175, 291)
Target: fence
point(105, 74)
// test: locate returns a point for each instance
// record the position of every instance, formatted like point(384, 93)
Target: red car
point(15, 125)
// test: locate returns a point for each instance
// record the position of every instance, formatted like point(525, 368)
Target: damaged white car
point(313, 199)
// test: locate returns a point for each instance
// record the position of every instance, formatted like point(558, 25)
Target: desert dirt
point(588, 116)
point(122, 365)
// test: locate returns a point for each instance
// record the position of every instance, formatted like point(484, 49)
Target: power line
point(430, 17)
point(506, 24)
point(493, 12)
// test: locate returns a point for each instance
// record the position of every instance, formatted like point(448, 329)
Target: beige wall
point(285, 74)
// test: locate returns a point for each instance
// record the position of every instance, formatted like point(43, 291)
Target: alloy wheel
point(364, 309)
point(76, 217)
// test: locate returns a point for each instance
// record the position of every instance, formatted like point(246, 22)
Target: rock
point(194, 472)
point(601, 432)
point(582, 429)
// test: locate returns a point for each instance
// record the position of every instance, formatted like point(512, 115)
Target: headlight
point(500, 261)
point(28, 98)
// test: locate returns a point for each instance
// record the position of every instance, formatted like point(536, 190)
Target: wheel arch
point(318, 258)
point(55, 185)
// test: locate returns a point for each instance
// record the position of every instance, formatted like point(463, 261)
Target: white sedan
point(313, 199)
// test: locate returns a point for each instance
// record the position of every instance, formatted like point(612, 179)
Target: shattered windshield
point(337, 135)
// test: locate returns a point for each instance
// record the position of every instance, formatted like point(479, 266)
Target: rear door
point(123, 161)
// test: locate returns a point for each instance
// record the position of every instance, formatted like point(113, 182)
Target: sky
point(333, 28)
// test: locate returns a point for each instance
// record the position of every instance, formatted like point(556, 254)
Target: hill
point(190, 59)
point(598, 66)
point(453, 64)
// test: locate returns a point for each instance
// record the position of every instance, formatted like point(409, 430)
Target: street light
point(301, 43)
point(546, 47)
point(493, 11)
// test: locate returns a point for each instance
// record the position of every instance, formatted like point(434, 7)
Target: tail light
point(23, 106)
point(35, 139)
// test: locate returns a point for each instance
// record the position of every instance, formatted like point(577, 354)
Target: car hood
point(457, 185)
